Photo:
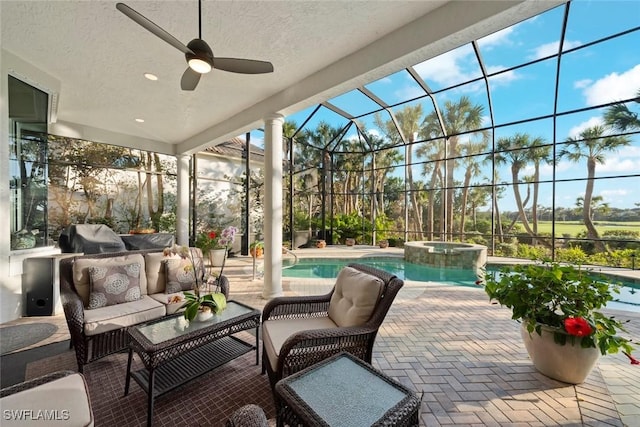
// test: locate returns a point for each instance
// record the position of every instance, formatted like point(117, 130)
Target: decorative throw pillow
point(114, 284)
point(179, 274)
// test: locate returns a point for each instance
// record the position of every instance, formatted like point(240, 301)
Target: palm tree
point(514, 150)
point(597, 204)
point(621, 118)
point(458, 117)
point(591, 145)
point(472, 168)
point(538, 153)
point(409, 120)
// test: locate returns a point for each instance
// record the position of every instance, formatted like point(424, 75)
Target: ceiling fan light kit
point(200, 59)
point(198, 54)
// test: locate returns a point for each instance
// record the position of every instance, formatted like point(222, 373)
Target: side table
point(344, 391)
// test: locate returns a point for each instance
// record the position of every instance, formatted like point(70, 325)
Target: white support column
point(183, 202)
point(273, 206)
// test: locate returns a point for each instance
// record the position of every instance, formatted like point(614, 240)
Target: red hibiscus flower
point(212, 234)
point(633, 360)
point(577, 326)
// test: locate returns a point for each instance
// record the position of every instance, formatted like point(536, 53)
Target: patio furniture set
point(316, 349)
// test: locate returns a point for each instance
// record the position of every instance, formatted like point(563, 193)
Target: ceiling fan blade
point(244, 66)
point(152, 27)
point(189, 79)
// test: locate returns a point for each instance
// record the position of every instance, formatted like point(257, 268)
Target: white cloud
point(613, 87)
point(549, 49)
point(408, 92)
point(498, 38)
point(574, 132)
point(626, 159)
point(582, 84)
point(608, 194)
point(502, 79)
point(446, 69)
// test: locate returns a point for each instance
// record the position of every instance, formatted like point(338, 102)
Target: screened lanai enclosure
point(526, 140)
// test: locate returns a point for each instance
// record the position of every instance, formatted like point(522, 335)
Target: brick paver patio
point(466, 357)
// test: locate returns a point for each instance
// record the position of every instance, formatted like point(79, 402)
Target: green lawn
point(575, 227)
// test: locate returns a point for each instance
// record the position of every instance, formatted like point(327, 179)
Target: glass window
point(27, 165)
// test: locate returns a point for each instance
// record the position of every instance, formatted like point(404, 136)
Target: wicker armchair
point(93, 347)
point(304, 348)
point(65, 392)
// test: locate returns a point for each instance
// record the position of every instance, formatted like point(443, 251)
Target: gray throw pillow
point(114, 284)
point(179, 274)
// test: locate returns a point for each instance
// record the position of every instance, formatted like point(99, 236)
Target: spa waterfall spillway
point(446, 255)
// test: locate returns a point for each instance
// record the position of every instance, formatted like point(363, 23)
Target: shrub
point(574, 255)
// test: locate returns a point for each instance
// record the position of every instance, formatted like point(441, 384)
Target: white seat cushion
point(276, 332)
point(62, 402)
point(113, 317)
point(355, 297)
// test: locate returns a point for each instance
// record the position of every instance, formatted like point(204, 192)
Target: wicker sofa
point(102, 331)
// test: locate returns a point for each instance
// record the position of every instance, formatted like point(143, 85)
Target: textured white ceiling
point(97, 57)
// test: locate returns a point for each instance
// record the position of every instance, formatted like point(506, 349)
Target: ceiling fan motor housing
point(201, 50)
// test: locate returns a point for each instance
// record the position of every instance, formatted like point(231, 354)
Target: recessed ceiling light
point(140, 120)
point(151, 76)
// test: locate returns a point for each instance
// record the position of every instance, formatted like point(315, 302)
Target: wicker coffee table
point(175, 351)
point(344, 391)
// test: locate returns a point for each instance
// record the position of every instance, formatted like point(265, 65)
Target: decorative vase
point(350, 241)
point(569, 363)
point(321, 244)
point(216, 257)
point(383, 244)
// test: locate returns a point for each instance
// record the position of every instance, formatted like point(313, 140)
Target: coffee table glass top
point(343, 393)
point(174, 327)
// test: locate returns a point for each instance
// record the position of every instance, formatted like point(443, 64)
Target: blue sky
point(595, 75)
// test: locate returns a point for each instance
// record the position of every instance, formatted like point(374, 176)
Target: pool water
point(328, 268)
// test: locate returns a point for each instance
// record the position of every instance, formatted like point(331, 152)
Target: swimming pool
point(327, 268)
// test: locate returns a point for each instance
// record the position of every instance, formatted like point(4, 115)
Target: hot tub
point(446, 254)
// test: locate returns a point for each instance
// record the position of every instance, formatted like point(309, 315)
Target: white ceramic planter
point(216, 257)
point(203, 315)
point(568, 363)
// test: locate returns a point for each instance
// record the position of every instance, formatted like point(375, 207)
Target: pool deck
point(464, 354)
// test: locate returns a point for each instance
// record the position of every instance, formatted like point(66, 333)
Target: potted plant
point(215, 244)
point(256, 249)
point(557, 306)
point(383, 244)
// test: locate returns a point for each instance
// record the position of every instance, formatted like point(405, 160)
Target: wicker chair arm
point(73, 310)
point(223, 282)
point(310, 346)
point(296, 307)
point(33, 383)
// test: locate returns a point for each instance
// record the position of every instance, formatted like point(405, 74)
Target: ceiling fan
point(197, 52)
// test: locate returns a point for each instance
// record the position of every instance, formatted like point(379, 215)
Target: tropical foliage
point(564, 297)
